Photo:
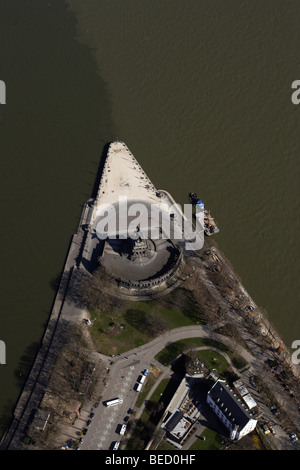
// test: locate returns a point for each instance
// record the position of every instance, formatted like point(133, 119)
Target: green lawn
point(213, 441)
point(213, 360)
point(111, 338)
point(168, 354)
point(165, 446)
point(149, 383)
point(144, 418)
point(125, 329)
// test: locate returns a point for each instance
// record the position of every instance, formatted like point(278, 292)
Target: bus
point(113, 402)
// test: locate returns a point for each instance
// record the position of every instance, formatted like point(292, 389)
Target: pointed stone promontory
point(123, 176)
point(140, 252)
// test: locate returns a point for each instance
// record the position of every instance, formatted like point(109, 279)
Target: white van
point(116, 446)
point(123, 429)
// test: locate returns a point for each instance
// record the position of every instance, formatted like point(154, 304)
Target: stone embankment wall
point(147, 285)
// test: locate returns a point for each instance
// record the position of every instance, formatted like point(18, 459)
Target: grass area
point(213, 441)
point(165, 446)
point(159, 390)
point(143, 421)
point(152, 377)
point(129, 326)
point(213, 360)
point(111, 338)
point(125, 325)
point(168, 354)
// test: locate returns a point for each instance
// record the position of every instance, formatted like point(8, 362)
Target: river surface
point(200, 92)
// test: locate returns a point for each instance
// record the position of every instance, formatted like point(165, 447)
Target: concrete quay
point(124, 181)
point(123, 176)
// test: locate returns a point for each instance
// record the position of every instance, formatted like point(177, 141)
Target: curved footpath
point(171, 336)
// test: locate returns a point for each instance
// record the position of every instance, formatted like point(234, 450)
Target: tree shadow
point(146, 322)
point(25, 363)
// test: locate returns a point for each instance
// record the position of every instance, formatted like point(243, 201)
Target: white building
point(231, 409)
point(182, 412)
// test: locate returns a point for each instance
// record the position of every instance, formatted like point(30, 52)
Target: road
point(106, 424)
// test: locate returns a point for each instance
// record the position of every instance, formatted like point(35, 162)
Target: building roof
point(182, 410)
point(243, 391)
point(251, 403)
point(231, 404)
point(173, 421)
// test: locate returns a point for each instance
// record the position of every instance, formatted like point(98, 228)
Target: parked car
point(273, 364)
point(89, 422)
point(84, 431)
point(272, 429)
point(266, 429)
point(92, 415)
point(274, 410)
point(252, 381)
point(293, 437)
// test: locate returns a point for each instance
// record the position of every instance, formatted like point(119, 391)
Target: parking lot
point(106, 424)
